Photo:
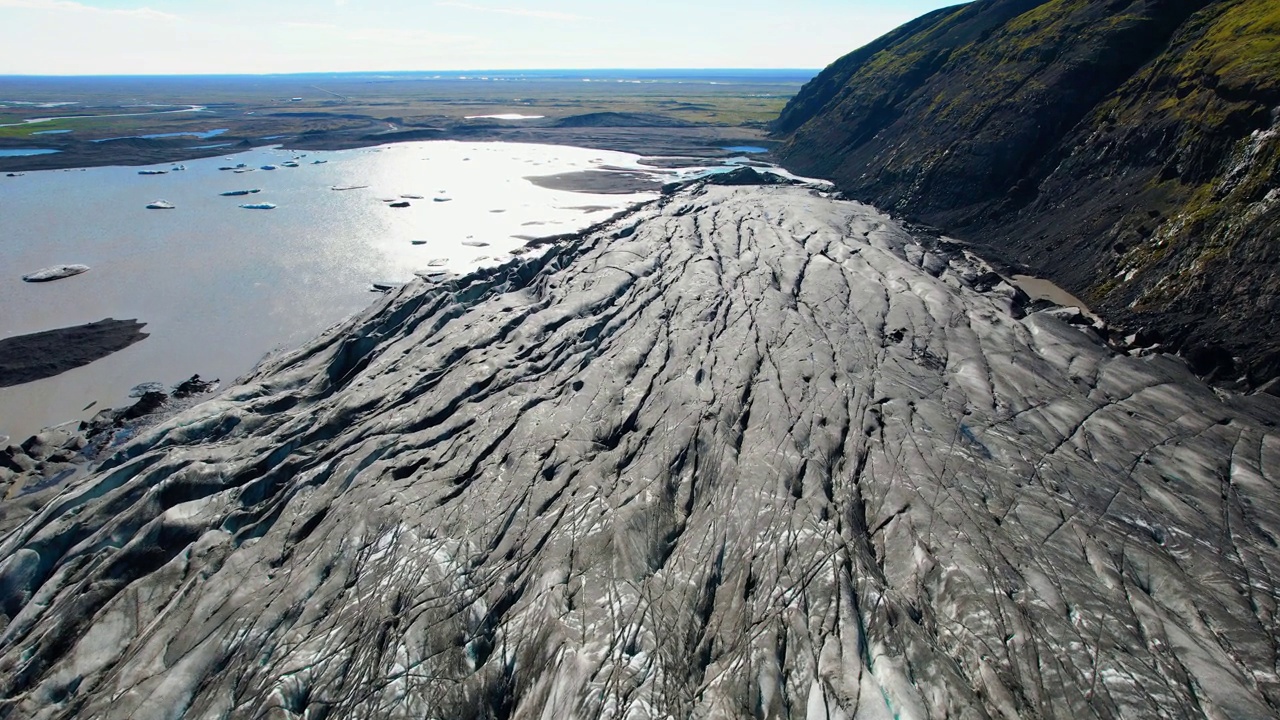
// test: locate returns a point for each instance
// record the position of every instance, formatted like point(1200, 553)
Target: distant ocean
point(17, 84)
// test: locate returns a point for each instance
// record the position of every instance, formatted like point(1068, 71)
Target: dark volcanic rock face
point(1128, 150)
point(749, 453)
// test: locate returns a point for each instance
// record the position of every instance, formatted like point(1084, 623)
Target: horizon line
point(490, 71)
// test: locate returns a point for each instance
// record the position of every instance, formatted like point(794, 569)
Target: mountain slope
point(1129, 150)
point(751, 453)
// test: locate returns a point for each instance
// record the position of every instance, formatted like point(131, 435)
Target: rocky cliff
point(748, 453)
point(1127, 149)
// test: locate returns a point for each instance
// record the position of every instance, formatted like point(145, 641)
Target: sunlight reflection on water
point(220, 286)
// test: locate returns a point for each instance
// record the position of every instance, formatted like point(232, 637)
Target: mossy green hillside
point(1240, 49)
point(1128, 150)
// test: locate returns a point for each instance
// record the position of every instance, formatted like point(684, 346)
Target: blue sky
point(262, 36)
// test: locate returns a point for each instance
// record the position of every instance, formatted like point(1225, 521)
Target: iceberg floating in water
point(55, 272)
point(161, 205)
point(236, 193)
point(259, 206)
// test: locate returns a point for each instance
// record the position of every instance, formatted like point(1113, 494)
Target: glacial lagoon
point(220, 287)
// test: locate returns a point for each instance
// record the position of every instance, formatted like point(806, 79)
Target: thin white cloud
point(542, 14)
point(403, 37)
point(306, 25)
point(407, 37)
point(76, 7)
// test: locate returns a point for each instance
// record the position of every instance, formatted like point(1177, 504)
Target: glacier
point(746, 452)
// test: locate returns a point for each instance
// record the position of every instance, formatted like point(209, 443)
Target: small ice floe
point(290, 164)
point(55, 272)
point(418, 242)
point(237, 193)
point(268, 167)
point(161, 205)
point(441, 199)
point(153, 172)
point(259, 206)
point(411, 197)
point(319, 162)
point(340, 188)
point(438, 262)
point(15, 174)
point(400, 204)
point(178, 168)
point(475, 243)
point(243, 170)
